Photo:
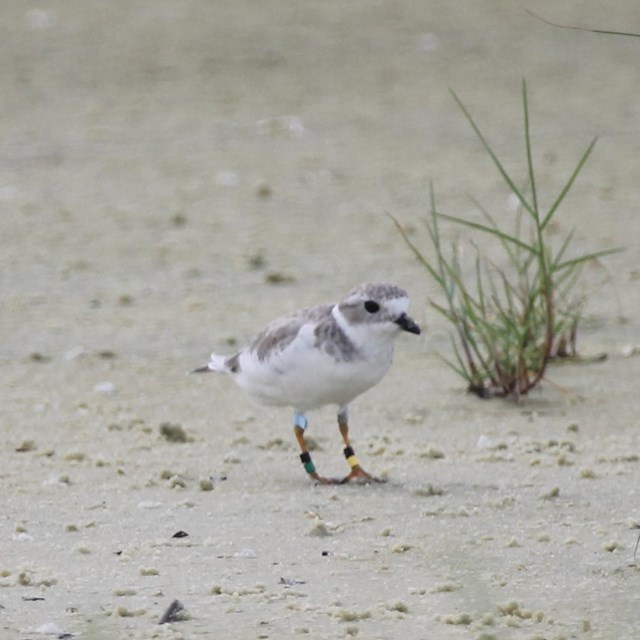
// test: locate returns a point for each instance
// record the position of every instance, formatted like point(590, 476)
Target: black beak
point(407, 324)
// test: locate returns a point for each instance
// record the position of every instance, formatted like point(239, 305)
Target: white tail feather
point(216, 363)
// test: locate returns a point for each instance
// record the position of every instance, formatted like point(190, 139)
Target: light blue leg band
point(299, 420)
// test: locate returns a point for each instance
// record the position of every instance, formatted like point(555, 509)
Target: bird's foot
point(318, 479)
point(359, 475)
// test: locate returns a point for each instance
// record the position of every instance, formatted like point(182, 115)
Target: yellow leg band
point(353, 461)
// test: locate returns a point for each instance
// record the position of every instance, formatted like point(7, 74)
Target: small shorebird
point(327, 354)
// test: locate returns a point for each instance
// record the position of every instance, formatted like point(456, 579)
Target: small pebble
point(431, 452)
point(22, 537)
point(458, 619)
point(319, 529)
point(124, 612)
point(205, 484)
point(74, 353)
point(427, 491)
point(177, 482)
point(509, 608)
point(50, 628)
point(105, 387)
point(227, 179)
point(149, 504)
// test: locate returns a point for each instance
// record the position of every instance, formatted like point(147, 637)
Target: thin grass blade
point(568, 184)
point(506, 177)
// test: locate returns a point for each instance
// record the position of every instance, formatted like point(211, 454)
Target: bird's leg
point(357, 472)
point(299, 426)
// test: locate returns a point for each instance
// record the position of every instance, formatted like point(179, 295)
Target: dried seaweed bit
point(180, 534)
point(428, 491)
point(26, 446)
point(36, 356)
point(257, 260)
point(263, 189)
point(278, 277)
point(551, 494)
point(179, 219)
point(173, 432)
point(171, 614)
point(636, 526)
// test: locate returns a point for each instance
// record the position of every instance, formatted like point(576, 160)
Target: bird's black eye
point(372, 306)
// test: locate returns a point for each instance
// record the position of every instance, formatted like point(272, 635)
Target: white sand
point(160, 163)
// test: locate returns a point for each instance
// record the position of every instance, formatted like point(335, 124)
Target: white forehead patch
point(397, 306)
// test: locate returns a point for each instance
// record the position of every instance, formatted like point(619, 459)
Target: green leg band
point(305, 458)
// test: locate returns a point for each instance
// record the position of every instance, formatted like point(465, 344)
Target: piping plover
point(327, 354)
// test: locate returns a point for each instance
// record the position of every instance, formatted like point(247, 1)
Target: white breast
point(305, 377)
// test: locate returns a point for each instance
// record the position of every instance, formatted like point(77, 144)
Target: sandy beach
point(175, 175)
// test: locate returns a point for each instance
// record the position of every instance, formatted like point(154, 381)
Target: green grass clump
point(509, 321)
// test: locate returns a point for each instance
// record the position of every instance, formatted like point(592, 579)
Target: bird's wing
point(280, 339)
